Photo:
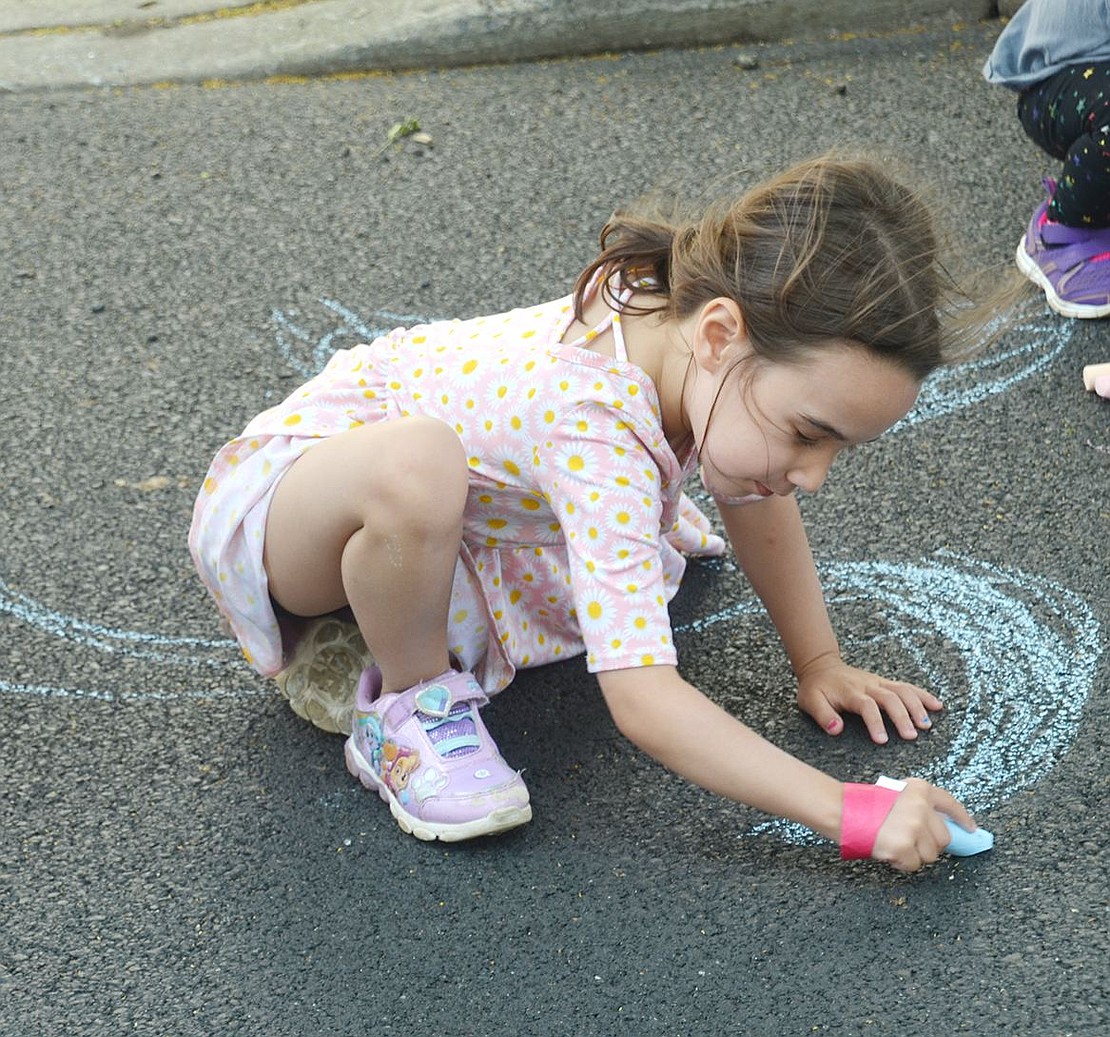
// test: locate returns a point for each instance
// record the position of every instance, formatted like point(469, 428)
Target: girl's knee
point(421, 474)
point(426, 453)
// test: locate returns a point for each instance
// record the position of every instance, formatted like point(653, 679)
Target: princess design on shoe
point(429, 756)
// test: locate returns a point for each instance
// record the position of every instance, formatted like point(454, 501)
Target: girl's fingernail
point(926, 722)
point(832, 725)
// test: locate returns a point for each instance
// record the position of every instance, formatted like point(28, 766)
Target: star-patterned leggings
point(1068, 115)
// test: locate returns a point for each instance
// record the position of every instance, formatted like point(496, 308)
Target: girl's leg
point(1068, 116)
point(372, 518)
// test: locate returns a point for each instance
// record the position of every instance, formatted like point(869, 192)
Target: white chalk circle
point(44, 691)
point(1026, 346)
point(135, 644)
point(158, 650)
point(1028, 652)
point(308, 354)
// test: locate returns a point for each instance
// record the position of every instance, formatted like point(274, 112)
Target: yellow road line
point(260, 7)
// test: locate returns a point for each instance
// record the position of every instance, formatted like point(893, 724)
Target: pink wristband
point(865, 809)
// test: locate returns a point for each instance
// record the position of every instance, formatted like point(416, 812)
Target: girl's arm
point(772, 547)
point(675, 723)
point(670, 720)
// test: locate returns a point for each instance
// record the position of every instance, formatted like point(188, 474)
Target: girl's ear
point(719, 328)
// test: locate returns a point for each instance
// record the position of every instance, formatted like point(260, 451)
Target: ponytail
point(832, 250)
point(638, 250)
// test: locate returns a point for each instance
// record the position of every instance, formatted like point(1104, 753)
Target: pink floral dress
point(575, 518)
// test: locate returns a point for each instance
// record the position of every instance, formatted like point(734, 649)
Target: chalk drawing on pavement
point(308, 354)
point(1029, 651)
point(1029, 647)
point(156, 649)
point(1029, 345)
point(133, 643)
point(57, 691)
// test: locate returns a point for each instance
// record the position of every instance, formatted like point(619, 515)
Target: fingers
point(838, 687)
point(872, 718)
point(932, 840)
point(896, 709)
point(827, 718)
point(928, 851)
point(948, 804)
point(938, 834)
point(914, 856)
point(914, 834)
point(870, 709)
point(907, 707)
point(918, 702)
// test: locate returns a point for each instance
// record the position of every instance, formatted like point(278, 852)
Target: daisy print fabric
point(575, 520)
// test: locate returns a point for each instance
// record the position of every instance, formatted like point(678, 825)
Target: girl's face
point(773, 428)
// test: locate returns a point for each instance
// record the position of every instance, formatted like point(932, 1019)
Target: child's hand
point(914, 833)
point(828, 686)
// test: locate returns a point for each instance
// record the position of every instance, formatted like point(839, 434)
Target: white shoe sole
point(1028, 266)
point(495, 822)
point(322, 677)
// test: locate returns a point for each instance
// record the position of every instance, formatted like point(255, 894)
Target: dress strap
point(620, 350)
point(612, 319)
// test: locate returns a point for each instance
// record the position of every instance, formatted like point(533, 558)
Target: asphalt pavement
point(182, 855)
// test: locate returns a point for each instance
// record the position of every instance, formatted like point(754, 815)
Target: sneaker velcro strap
point(441, 693)
point(455, 734)
point(437, 697)
point(1067, 257)
point(1090, 239)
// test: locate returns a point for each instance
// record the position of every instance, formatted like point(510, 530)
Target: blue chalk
point(962, 843)
point(967, 844)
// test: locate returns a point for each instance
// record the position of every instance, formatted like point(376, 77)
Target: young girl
point(1056, 55)
point(498, 493)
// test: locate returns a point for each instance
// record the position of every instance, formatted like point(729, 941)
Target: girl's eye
point(805, 440)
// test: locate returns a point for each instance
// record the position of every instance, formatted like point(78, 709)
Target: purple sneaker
point(1072, 265)
point(429, 756)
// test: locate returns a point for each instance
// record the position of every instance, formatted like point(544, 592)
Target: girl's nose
point(810, 477)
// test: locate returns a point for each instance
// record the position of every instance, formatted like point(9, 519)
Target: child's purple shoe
point(429, 756)
point(1072, 265)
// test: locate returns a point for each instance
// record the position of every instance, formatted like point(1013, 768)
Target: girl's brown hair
point(831, 249)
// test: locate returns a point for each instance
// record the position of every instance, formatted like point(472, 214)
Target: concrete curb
point(198, 40)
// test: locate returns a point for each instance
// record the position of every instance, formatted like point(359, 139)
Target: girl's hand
point(914, 833)
point(827, 687)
